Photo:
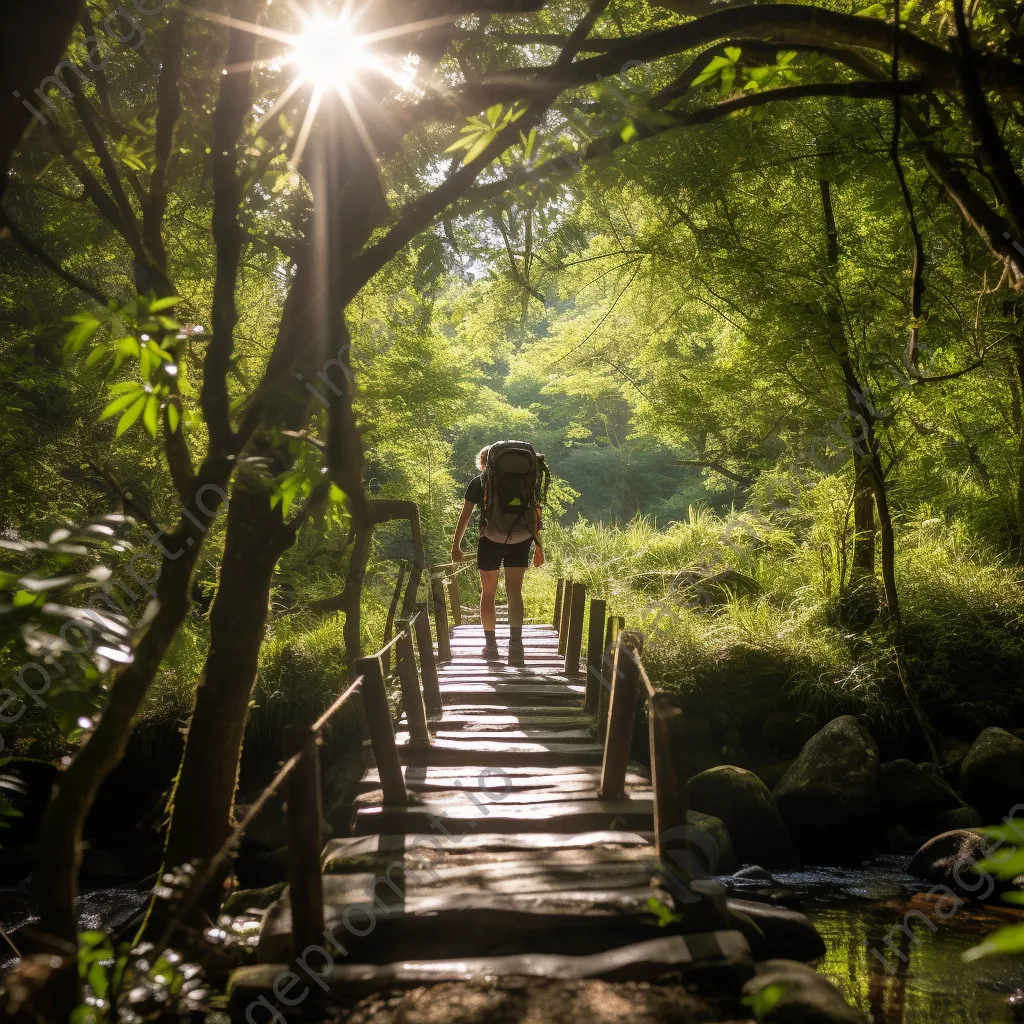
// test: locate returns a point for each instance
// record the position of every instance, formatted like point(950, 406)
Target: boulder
point(746, 806)
point(756, 873)
point(959, 817)
point(950, 860)
point(992, 774)
point(711, 843)
point(788, 992)
point(244, 901)
point(775, 931)
point(828, 798)
point(914, 793)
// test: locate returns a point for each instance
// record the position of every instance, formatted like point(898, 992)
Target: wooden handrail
point(618, 683)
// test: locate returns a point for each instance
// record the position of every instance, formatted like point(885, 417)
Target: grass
point(773, 628)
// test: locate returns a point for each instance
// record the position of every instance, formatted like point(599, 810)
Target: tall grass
point(963, 608)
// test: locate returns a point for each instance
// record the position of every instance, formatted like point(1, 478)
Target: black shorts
point(490, 554)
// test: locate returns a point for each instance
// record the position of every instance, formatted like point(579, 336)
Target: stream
point(853, 908)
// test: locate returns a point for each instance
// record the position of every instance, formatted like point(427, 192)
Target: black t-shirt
point(475, 490)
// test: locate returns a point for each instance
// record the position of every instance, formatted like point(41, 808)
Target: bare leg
point(514, 588)
point(488, 588)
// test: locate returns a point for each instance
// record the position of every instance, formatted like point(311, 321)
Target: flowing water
point(919, 977)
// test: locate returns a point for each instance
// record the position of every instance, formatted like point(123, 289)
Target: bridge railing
point(617, 687)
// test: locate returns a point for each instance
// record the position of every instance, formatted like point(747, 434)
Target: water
point(855, 909)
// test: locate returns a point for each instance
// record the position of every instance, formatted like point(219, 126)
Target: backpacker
point(515, 486)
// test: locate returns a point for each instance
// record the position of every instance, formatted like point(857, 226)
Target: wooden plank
point(504, 779)
point(420, 853)
point(510, 694)
point(353, 850)
point(508, 734)
point(566, 816)
point(500, 797)
point(491, 752)
point(640, 962)
point(500, 723)
point(577, 923)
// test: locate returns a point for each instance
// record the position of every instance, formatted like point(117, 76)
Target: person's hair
point(481, 458)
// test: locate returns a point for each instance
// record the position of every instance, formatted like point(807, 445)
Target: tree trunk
point(863, 564)
point(60, 838)
point(202, 801)
point(35, 37)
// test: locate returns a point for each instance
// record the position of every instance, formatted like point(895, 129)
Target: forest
point(748, 274)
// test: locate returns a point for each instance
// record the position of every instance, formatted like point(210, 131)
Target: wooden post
point(563, 620)
point(559, 586)
point(574, 634)
point(453, 597)
point(304, 840)
point(616, 623)
point(382, 730)
point(428, 667)
point(668, 772)
point(595, 632)
point(621, 718)
point(444, 644)
point(412, 696)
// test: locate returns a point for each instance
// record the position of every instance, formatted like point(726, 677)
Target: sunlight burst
point(329, 53)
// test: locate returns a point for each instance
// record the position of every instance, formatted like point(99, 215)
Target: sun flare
point(329, 53)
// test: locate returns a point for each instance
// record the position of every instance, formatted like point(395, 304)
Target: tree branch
point(999, 165)
point(739, 478)
point(167, 113)
point(228, 119)
point(51, 264)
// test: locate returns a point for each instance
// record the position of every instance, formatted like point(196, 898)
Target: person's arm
point(458, 554)
point(538, 551)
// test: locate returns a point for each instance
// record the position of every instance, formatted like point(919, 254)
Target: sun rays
point(329, 54)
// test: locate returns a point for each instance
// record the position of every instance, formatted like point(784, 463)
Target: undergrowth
point(747, 606)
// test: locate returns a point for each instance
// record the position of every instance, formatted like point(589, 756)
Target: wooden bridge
point(503, 829)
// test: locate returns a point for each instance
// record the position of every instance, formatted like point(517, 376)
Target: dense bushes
point(742, 607)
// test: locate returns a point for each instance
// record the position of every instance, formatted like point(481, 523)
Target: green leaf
point(124, 387)
point(478, 147)
point(493, 113)
point(159, 305)
point(764, 1001)
point(121, 402)
point(173, 416)
point(1016, 896)
point(95, 356)
point(1005, 940)
point(132, 414)
point(80, 334)
point(150, 415)
point(629, 132)
point(26, 599)
point(733, 53)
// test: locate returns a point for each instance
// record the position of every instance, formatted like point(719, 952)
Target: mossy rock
point(992, 774)
point(252, 899)
point(828, 798)
point(744, 803)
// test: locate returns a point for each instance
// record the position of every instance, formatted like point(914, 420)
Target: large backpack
point(515, 486)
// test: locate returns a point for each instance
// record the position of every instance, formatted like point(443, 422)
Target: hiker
point(510, 489)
